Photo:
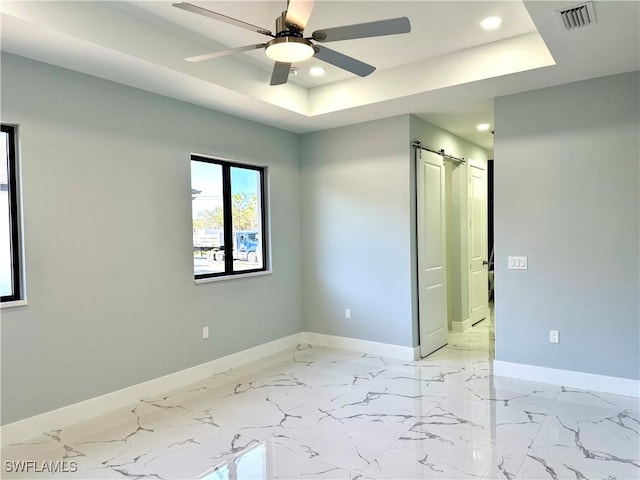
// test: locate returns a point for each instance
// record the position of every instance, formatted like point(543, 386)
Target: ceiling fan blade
point(189, 7)
point(380, 28)
point(222, 53)
point(345, 62)
point(280, 73)
point(298, 12)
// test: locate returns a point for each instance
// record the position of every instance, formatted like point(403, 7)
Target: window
point(10, 274)
point(228, 206)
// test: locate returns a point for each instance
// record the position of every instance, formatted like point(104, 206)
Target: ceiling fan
point(288, 45)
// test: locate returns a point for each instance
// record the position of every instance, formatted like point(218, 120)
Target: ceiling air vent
point(577, 16)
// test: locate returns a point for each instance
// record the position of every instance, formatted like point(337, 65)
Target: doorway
point(452, 249)
point(477, 241)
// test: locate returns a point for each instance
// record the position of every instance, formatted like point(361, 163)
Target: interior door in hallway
point(432, 294)
point(478, 275)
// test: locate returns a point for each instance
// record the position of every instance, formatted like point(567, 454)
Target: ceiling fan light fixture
point(289, 49)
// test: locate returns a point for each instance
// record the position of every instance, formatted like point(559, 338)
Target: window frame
point(14, 216)
point(227, 207)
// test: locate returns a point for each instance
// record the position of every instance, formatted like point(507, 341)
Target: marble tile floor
point(315, 412)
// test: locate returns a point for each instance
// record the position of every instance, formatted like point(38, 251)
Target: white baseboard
point(33, 426)
point(30, 427)
point(364, 346)
point(460, 327)
point(568, 378)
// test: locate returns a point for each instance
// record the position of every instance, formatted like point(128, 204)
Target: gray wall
point(359, 245)
point(108, 233)
point(567, 196)
point(106, 186)
point(356, 231)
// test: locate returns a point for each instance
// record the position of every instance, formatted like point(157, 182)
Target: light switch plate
point(518, 263)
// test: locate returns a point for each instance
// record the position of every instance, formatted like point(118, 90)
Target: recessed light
point(491, 23)
point(317, 71)
point(483, 127)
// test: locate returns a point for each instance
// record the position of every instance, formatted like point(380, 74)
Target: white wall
point(107, 213)
point(567, 196)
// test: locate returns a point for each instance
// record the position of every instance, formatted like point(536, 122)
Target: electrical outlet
point(205, 333)
point(553, 336)
point(347, 313)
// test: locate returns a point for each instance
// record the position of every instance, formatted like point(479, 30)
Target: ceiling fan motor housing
point(284, 29)
point(289, 45)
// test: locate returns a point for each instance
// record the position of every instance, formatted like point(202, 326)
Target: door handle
point(484, 262)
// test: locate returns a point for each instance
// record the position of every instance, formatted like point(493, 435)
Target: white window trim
point(15, 303)
point(223, 278)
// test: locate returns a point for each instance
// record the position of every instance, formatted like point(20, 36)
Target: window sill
point(233, 277)
point(15, 303)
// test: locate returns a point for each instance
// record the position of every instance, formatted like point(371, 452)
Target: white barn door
point(432, 279)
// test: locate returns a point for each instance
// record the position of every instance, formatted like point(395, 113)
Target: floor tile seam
point(504, 452)
point(590, 468)
point(375, 460)
point(231, 399)
point(46, 457)
point(72, 445)
point(244, 379)
point(348, 389)
point(491, 445)
point(187, 390)
point(560, 403)
point(413, 423)
point(299, 441)
point(330, 464)
point(179, 411)
point(546, 418)
point(524, 458)
point(104, 467)
point(524, 454)
point(486, 473)
point(158, 414)
point(143, 471)
point(488, 425)
point(582, 469)
point(80, 449)
point(171, 392)
point(117, 472)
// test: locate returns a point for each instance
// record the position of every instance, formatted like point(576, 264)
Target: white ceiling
point(446, 71)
